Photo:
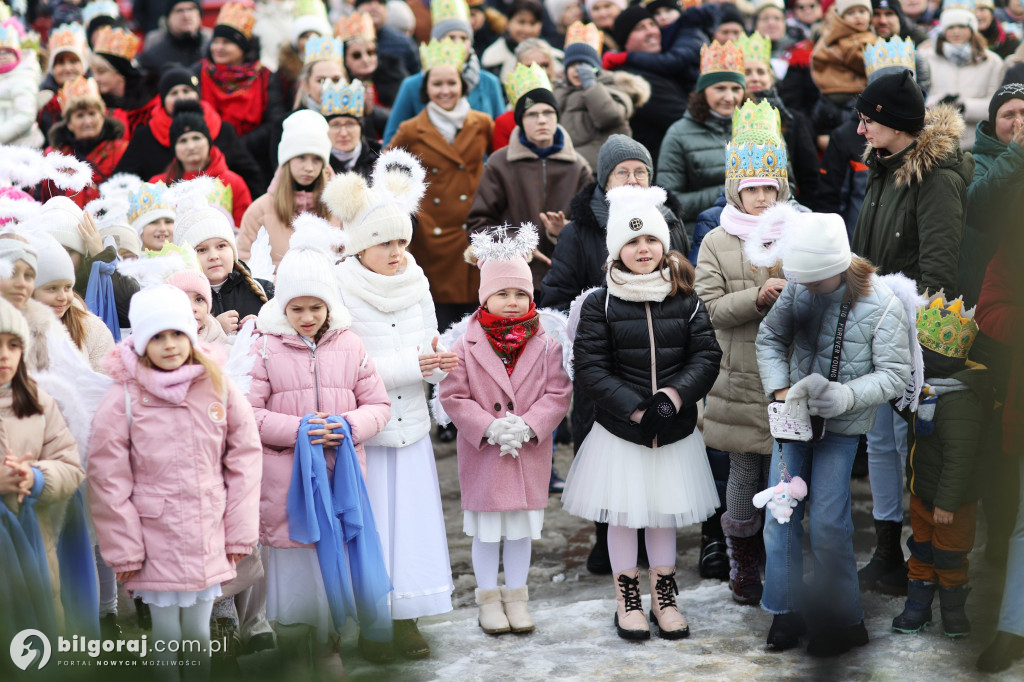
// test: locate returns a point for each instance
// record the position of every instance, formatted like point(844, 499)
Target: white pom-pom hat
point(635, 211)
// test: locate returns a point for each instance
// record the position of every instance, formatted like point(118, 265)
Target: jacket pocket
point(216, 500)
point(148, 506)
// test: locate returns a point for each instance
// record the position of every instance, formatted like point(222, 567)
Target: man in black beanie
point(911, 222)
point(888, 20)
point(182, 40)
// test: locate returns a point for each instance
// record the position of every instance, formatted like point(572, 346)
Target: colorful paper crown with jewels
point(893, 53)
point(523, 80)
point(442, 53)
point(185, 251)
point(77, 90)
point(588, 34)
point(756, 48)
point(342, 99)
point(223, 197)
point(757, 149)
point(103, 8)
point(358, 25)
point(945, 328)
point(9, 38)
point(237, 16)
point(967, 5)
point(324, 49)
point(148, 203)
point(116, 41)
point(442, 10)
point(67, 38)
point(718, 58)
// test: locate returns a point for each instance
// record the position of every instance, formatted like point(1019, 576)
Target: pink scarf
point(740, 224)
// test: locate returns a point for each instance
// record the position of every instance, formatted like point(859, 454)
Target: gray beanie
point(616, 149)
point(446, 26)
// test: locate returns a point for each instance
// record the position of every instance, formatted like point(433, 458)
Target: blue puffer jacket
point(486, 97)
point(875, 357)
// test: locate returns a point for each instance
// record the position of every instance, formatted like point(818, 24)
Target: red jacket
point(218, 168)
point(160, 122)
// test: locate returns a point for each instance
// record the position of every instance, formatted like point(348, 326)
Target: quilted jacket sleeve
point(276, 430)
point(774, 338)
point(374, 408)
point(727, 310)
point(890, 357)
point(594, 360)
point(243, 473)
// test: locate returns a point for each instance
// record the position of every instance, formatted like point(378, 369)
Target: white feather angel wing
point(572, 324)
point(556, 325)
point(240, 361)
point(448, 339)
point(905, 290)
point(261, 264)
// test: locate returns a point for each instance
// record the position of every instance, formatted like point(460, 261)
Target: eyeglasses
point(359, 55)
point(864, 119)
point(344, 123)
point(537, 115)
point(640, 174)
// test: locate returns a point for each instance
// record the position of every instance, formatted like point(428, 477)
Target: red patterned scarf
point(508, 335)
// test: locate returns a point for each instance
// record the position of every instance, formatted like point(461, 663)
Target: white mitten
point(497, 428)
point(810, 386)
point(510, 446)
point(836, 399)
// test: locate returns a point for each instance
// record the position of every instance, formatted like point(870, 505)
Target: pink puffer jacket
point(289, 381)
point(176, 490)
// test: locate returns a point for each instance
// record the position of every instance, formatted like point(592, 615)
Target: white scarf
point(348, 159)
point(386, 293)
point(654, 286)
point(449, 123)
point(960, 55)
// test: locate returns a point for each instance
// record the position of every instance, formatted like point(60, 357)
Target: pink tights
point(622, 547)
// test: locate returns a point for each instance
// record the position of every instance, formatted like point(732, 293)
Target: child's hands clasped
point(509, 432)
point(325, 436)
point(16, 476)
point(441, 360)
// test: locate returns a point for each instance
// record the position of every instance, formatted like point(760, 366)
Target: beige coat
point(46, 438)
point(736, 413)
point(261, 213)
point(98, 341)
point(974, 84)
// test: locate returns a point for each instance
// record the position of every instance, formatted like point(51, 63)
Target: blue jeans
point(1011, 613)
point(835, 565)
point(887, 460)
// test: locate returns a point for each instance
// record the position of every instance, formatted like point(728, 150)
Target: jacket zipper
point(654, 362)
point(316, 377)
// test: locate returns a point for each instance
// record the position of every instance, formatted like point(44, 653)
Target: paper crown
point(5, 12)
point(761, 4)
point(147, 198)
point(101, 8)
point(343, 99)
point(894, 52)
point(222, 196)
point(324, 49)
point(716, 58)
point(757, 149)
point(442, 10)
point(945, 328)
point(968, 5)
point(184, 251)
point(67, 38)
point(118, 42)
point(588, 34)
point(358, 25)
point(442, 53)
point(9, 38)
point(756, 48)
point(77, 89)
point(308, 8)
point(524, 79)
point(237, 16)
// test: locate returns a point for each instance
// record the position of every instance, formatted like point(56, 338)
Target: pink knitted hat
point(502, 257)
point(497, 275)
point(193, 282)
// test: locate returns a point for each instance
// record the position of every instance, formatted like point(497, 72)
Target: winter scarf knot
point(508, 336)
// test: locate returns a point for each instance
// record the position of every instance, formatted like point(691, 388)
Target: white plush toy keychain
point(783, 498)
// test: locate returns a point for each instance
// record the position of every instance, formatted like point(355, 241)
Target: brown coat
point(517, 186)
point(453, 173)
point(837, 63)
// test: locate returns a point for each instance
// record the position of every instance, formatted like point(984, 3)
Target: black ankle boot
point(888, 557)
point(786, 630)
point(714, 554)
point(598, 562)
point(917, 612)
point(951, 604)
point(142, 613)
point(1001, 653)
point(833, 641)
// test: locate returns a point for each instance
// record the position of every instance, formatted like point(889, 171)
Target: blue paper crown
point(149, 197)
point(324, 48)
point(343, 99)
point(101, 8)
point(894, 52)
point(749, 160)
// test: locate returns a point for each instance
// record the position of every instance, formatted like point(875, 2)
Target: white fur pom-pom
point(399, 177)
point(120, 184)
point(771, 230)
point(315, 233)
point(496, 244)
point(347, 196)
point(188, 195)
point(67, 172)
point(152, 271)
point(638, 197)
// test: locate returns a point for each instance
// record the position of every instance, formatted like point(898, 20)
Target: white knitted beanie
point(54, 264)
point(195, 226)
point(156, 309)
point(125, 238)
point(633, 211)
point(61, 217)
point(304, 132)
point(307, 268)
point(843, 5)
point(13, 322)
point(817, 247)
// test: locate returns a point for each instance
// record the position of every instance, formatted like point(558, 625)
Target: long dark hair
point(698, 106)
point(24, 391)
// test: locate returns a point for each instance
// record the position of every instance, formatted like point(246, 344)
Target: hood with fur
point(937, 146)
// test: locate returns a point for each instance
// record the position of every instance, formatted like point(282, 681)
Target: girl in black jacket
point(646, 353)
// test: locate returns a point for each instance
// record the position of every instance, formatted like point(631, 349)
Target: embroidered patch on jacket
point(217, 413)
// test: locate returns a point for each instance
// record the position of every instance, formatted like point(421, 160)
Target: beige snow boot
point(664, 612)
point(514, 601)
point(629, 611)
point(491, 617)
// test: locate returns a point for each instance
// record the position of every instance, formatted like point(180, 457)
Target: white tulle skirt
point(180, 599)
point(625, 484)
point(295, 589)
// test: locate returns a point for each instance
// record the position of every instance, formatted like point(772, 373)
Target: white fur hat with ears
point(633, 211)
point(378, 214)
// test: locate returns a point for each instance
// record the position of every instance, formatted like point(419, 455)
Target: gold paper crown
point(758, 123)
point(524, 79)
point(118, 42)
point(78, 89)
point(237, 16)
point(757, 149)
point(944, 327)
point(441, 10)
point(9, 38)
point(65, 38)
point(756, 48)
point(358, 25)
point(716, 58)
point(588, 34)
point(223, 196)
point(894, 52)
point(185, 251)
point(442, 53)
point(324, 49)
point(308, 8)
point(343, 99)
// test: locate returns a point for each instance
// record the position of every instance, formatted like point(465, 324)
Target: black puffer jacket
point(236, 294)
point(612, 355)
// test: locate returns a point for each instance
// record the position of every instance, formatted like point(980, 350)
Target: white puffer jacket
point(18, 107)
point(394, 316)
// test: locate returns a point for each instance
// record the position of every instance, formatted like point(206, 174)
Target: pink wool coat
point(177, 490)
point(290, 381)
point(479, 391)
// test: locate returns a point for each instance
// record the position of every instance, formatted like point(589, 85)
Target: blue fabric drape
point(334, 514)
point(78, 587)
point(26, 598)
point(99, 296)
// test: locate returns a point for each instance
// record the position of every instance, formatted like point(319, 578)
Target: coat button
point(399, 397)
point(392, 324)
point(897, 235)
point(497, 407)
point(437, 200)
point(510, 407)
point(462, 166)
point(434, 171)
point(872, 203)
point(145, 400)
point(438, 231)
point(399, 419)
point(462, 197)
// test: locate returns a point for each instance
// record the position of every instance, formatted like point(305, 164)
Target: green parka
point(915, 205)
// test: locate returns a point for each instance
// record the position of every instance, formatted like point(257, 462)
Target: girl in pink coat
point(506, 395)
point(306, 361)
point(174, 471)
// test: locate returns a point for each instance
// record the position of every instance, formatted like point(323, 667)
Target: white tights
point(174, 623)
point(516, 559)
point(622, 546)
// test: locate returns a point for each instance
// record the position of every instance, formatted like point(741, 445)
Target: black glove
point(659, 410)
point(954, 100)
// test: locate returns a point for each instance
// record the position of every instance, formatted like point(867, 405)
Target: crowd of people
point(728, 251)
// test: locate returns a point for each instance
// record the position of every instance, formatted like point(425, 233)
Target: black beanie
point(188, 118)
point(535, 96)
point(121, 65)
point(175, 76)
point(174, 3)
point(895, 5)
point(728, 13)
point(1003, 95)
point(895, 101)
point(627, 21)
point(232, 34)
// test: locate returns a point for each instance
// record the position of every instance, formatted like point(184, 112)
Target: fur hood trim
point(937, 145)
point(638, 89)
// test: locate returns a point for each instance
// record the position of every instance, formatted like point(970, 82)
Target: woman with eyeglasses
point(381, 74)
point(343, 107)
